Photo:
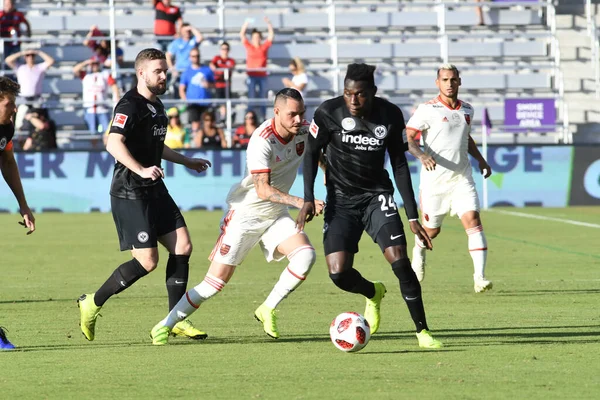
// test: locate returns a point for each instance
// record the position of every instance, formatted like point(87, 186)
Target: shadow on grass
point(545, 292)
point(74, 299)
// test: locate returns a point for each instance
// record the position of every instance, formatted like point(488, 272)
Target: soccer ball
point(350, 332)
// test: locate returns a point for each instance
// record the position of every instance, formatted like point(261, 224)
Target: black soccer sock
point(178, 268)
point(411, 292)
point(123, 277)
point(352, 281)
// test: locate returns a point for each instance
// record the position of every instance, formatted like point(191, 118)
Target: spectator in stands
point(10, 27)
point(195, 88)
point(256, 60)
point(299, 78)
point(167, 22)
point(102, 47)
point(479, 13)
point(95, 84)
point(178, 136)
point(180, 48)
point(218, 64)
point(31, 77)
point(242, 134)
point(209, 136)
point(42, 133)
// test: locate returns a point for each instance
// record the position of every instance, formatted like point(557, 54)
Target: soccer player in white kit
point(258, 213)
point(447, 185)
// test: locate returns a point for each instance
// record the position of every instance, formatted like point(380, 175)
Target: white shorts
point(457, 201)
point(241, 231)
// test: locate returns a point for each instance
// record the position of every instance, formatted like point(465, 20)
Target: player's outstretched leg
point(478, 252)
point(418, 259)
point(210, 286)
point(5, 344)
point(301, 261)
point(411, 292)
point(178, 268)
point(90, 304)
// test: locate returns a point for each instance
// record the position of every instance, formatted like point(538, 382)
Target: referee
point(143, 211)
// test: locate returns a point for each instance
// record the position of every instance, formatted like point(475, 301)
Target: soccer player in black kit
point(9, 90)
point(142, 208)
point(355, 130)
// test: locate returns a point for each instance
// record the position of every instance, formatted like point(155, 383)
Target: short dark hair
point(361, 72)
point(8, 86)
point(256, 31)
point(288, 93)
point(226, 44)
point(148, 55)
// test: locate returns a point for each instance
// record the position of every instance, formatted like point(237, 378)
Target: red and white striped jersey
point(269, 152)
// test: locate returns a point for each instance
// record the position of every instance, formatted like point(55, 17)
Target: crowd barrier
point(78, 182)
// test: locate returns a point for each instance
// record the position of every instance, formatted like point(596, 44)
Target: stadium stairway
point(576, 65)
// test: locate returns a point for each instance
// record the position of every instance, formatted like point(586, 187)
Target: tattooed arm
point(262, 184)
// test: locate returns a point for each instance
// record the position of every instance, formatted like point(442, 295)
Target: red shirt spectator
point(166, 18)
point(256, 57)
point(222, 61)
point(10, 25)
point(244, 132)
point(257, 52)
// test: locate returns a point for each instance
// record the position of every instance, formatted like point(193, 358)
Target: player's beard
point(158, 89)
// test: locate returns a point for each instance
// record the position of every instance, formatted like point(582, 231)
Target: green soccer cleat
point(89, 313)
point(160, 335)
point(268, 318)
point(372, 310)
point(186, 329)
point(426, 341)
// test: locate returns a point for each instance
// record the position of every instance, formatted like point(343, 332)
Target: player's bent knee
point(184, 249)
point(148, 262)
point(302, 260)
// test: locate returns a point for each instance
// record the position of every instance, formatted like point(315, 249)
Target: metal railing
point(594, 34)
point(443, 36)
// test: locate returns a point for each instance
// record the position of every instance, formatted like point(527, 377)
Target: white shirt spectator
point(301, 79)
point(31, 78)
point(95, 87)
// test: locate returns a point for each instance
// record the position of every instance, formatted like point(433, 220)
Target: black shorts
point(141, 222)
point(345, 221)
point(195, 112)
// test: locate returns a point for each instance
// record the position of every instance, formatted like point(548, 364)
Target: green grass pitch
point(535, 336)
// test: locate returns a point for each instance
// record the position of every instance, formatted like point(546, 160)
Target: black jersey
point(7, 131)
point(144, 125)
point(355, 149)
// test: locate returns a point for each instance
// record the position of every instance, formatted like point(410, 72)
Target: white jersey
point(268, 152)
point(445, 132)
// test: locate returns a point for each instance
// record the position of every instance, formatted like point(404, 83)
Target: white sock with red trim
point(192, 299)
point(420, 247)
point(478, 250)
point(301, 261)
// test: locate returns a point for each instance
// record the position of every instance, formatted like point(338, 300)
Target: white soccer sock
point(478, 250)
point(192, 299)
point(301, 261)
point(421, 246)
